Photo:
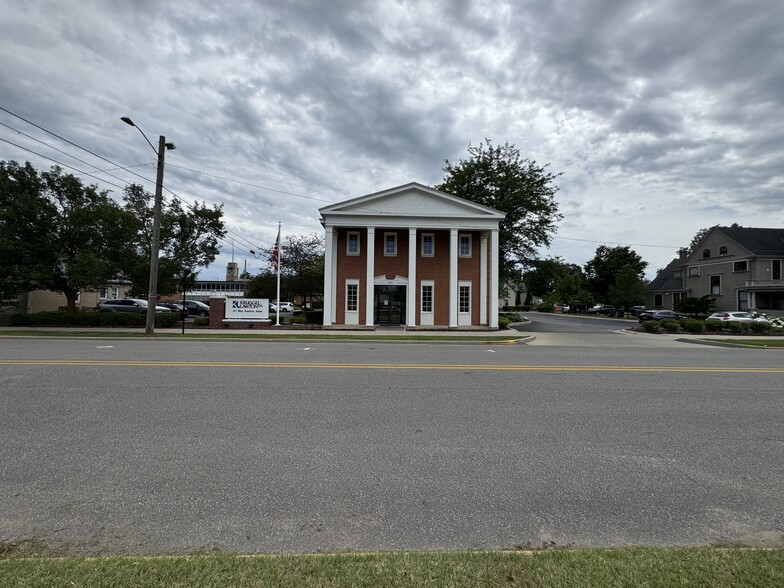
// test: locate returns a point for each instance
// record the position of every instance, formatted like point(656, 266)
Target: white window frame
point(115, 293)
point(349, 235)
point(710, 284)
point(694, 271)
point(464, 317)
point(352, 316)
point(460, 239)
point(393, 253)
point(426, 317)
point(103, 293)
point(432, 237)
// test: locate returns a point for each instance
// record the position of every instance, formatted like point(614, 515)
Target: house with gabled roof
point(411, 256)
point(740, 267)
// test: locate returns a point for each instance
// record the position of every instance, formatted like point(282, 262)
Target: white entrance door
point(464, 304)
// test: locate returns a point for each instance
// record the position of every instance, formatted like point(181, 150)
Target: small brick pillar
point(217, 312)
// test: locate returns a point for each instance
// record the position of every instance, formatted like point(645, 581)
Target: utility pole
point(152, 295)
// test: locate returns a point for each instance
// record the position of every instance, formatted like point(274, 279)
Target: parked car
point(132, 305)
point(284, 307)
point(601, 309)
point(737, 317)
point(195, 307)
point(174, 307)
point(659, 315)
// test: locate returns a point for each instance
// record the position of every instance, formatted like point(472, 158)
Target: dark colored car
point(659, 315)
point(174, 307)
point(130, 305)
point(195, 308)
point(601, 309)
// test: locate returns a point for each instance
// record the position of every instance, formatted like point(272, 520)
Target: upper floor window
point(464, 248)
point(705, 253)
point(352, 244)
point(677, 275)
point(390, 243)
point(740, 266)
point(428, 245)
point(722, 250)
point(775, 272)
point(694, 271)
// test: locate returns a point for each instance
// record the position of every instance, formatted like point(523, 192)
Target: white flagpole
point(277, 264)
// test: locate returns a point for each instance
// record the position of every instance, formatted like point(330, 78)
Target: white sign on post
point(247, 309)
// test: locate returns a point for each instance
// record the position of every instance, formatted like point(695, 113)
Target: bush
point(760, 327)
point(201, 321)
point(694, 325)
point(298, 319)
point(650, 326)
point(314, 317)
point(671, 326)
point(545, 307)
point(714, 325)
point(167, 319)
point(736, 327)
point(86, 318)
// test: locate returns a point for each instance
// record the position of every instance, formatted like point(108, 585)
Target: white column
point(370, 275)
point(483, 279)
point(413, 290)
point(493, 279)
point(329, 274)
point(453, 245)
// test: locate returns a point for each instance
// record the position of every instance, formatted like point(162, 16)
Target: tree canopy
point(301, 269)
point(500, 178)
point(58, 234)
point(603, 270)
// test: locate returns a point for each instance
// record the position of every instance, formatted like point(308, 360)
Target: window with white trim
point(102, 293)
point(464, 299)
point(352, 243)
point(464, 246)
point(775, 268)
point(352, 296)
point(115, 293)
point(390, 244)
point(427, 296)
point(715, 285)
point(694, 271)
point(428, 244)
point(740, 266)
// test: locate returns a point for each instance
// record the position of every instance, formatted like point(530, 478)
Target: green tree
point(628, 289)
point(499, 177)
point(602, 271)
point(301, 267)
point(27, 222)
point(188, 240)
point(263, 285)
point(72, 232)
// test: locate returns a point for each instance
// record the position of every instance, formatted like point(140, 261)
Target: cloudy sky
point(664, 116)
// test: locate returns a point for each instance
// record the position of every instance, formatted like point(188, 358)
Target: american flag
point(276, 253)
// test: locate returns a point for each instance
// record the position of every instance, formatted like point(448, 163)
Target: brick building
point(411, 256)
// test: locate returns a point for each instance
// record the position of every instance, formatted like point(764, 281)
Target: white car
point(284, 307)
point(737, 317)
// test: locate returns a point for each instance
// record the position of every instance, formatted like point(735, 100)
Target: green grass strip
point(753, 342)
point(650, 567)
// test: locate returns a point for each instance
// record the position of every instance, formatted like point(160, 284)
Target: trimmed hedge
point(314, 317)
point(88, 318)
point(651, 326)
point(694, 325)
point(671, 326)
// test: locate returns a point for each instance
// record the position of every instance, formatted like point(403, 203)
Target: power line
point(618, 243)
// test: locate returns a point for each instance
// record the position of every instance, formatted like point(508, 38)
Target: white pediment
point(411, 200)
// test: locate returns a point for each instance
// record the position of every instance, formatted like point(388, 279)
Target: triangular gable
point(411, 200)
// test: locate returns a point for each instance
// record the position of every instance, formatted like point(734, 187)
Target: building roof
point(760, 242)
point(410, 201)
point(664, 280)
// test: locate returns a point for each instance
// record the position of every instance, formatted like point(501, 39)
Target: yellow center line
point(389, 366)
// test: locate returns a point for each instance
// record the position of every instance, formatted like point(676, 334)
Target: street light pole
point(152, 295)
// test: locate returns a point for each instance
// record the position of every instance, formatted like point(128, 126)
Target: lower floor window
point(465, 299)
point(427, 298)
point(715, 285)
point(657, 300)
point(352, 297)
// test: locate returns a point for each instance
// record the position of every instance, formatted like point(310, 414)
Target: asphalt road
point(154, 447)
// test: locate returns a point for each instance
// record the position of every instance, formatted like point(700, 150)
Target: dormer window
point(705, 253)
point(722, 250)
point(677, 275)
